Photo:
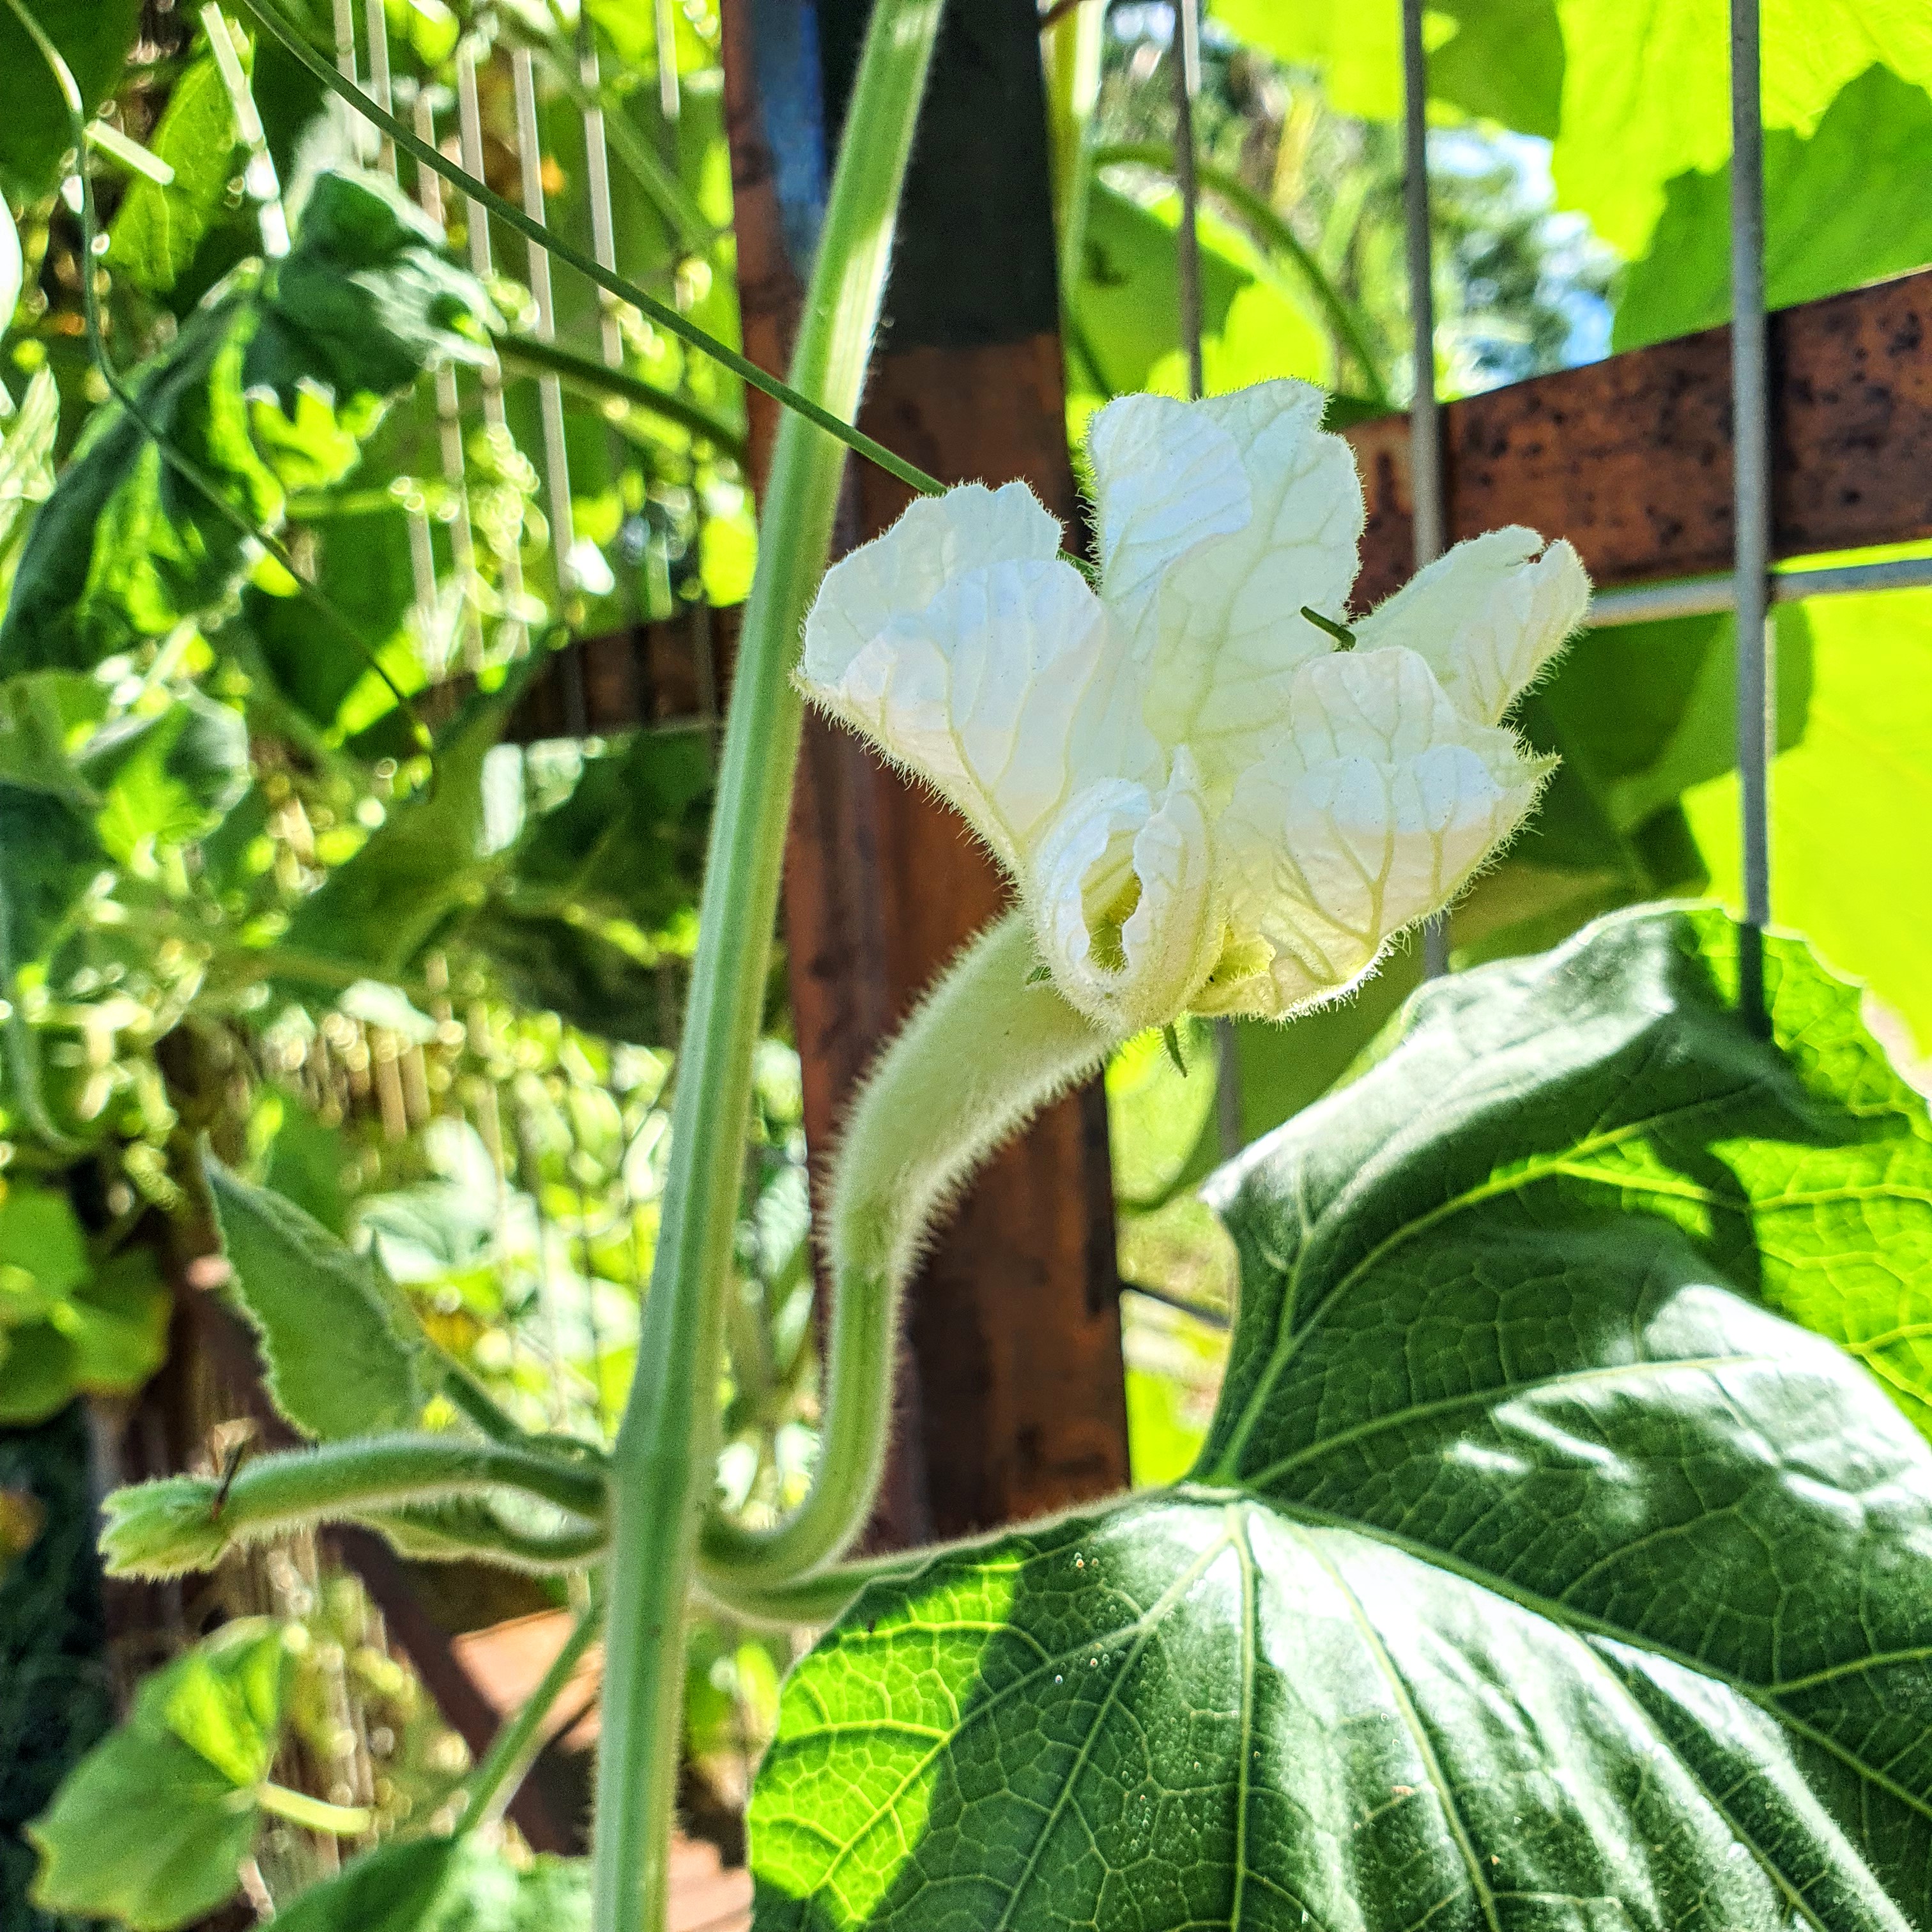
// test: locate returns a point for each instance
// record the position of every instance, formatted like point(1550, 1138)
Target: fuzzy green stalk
point(187, 1522)
point(665, 1454)
point(513, 1750)
point(993, 1043)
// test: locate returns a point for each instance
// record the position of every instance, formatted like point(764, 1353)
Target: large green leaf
point(344, 1356)
point(1850, 864)
point(1536, 1573)
point(1502, 59)
point(268, 387)
point(93, 36)
point(445, 1884)
point(1841, 207)
point(1646, 90)
point(169, 777)
point(152, 1824)
point(1125, 301)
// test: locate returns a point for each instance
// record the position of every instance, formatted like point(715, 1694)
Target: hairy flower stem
point(665, 1452)
point(992, 1044)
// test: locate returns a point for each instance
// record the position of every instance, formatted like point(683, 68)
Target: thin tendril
point(668, 318)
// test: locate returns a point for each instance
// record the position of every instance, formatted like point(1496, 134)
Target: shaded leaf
point(94, 37)
point(105, 1334)
point(343, 1353)
point(152, 1826)
point(1535, 1573)
point(601, 893)
point(429, 859)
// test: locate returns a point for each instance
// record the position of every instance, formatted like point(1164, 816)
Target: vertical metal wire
point(664, 28)
point(550, 390)
point(449, 421)
point(1425, 425)
point(1185, 60)
point(422, 549)
point(469, 133)
point(355, 129)
point(260, 182)
point(1751, 502)
point(1186, 68)
point(604, 247)
point(376, 17)
point(597, 167)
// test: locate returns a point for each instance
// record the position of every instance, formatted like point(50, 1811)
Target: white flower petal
point(1486, 616)
point(1123, 904)
point(1007, 693)
point(1229, 633)
point(899, 574)
point(1326, 865)
point(1384, 705)
point(1168, 476)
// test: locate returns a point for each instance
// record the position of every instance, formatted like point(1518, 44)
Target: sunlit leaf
point(169, 777)
point(269, 387)
point(1841, 207)
point(1126, 301)
point(157, 229)
point(1850, 866)
point(1535, 1572)
point(1503, 60)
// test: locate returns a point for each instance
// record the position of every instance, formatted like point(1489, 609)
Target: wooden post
point(1011, 1400)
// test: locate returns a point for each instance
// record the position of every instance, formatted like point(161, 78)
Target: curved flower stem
point(664, 1457)
point(992, 1044)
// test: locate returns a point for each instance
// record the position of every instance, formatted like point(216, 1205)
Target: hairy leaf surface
point(1536, 1573)
point(343, 1358)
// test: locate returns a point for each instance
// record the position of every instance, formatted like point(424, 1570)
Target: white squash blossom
point(1209, 802)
